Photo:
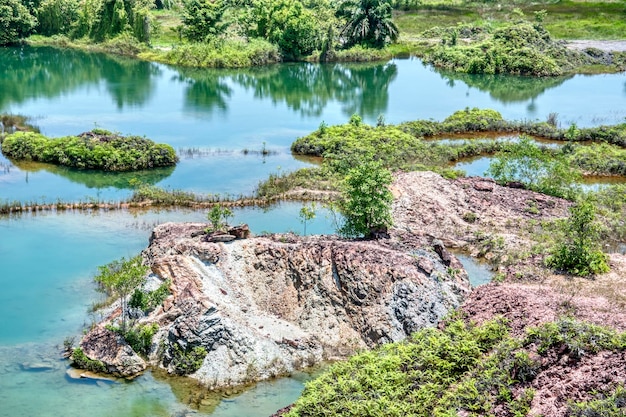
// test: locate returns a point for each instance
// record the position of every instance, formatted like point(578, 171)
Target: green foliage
point(225, 54)
point(119, 278)
point(81, 361)
point(147, 301)
point(140, 337)
point(578, 252)
point(368, 23)
point(573, 338)
point(187, 360)
point(610, 203)
point(399, 379)
point(538, 169)
point(461, 368)
point(306, 213)
point(288, 24)
point(366, 203)
point(57, 17)
point(517, 48)
point(105, 19)
point(218, 216)
point(202, 19)
point(607, 405)
point(93, 150)
point(16, 22)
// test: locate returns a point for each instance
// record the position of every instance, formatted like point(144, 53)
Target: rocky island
point(257, 308)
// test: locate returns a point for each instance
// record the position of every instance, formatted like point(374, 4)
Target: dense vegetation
point(404, 147)
point(470, 36)
point(294, 28)
point(518, 48)
point(460, 369)
point(98, 149)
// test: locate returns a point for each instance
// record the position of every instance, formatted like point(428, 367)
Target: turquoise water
point(211, 116)
point(48, 261)
point(69, 92)
point(479, 273)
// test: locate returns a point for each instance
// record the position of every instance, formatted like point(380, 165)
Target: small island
point(97, 149)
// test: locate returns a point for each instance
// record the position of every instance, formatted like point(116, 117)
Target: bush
point(16, 21)
point(366, 203)
point(81, 361)
point(147, 301)
point(578, 251)
point(202, 19)
point(97, 149)
point(538, 169)
point(187, 360)
point(222, 54)
point(459, 369)
point(519, 48)
point(57, 17)
point(140, 338)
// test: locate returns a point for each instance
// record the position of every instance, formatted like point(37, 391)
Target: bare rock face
point(256, 308)
point(111, 349)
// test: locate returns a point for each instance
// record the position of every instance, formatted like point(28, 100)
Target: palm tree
point(368, 23)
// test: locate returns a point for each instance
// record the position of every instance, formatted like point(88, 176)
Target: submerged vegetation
point(462, 368)
point(98, 149)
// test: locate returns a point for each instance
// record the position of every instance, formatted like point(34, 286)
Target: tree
point(578, 252)
point(119, 278)
point(16, 22)
point(307, 213)
point(366, 203)
point(202, 19)
point(368, 23)
point(57, 16)
point(218, 216)
point(287, 23)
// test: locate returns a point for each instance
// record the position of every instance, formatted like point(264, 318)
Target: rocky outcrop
point(252, 309)
point(112, 350)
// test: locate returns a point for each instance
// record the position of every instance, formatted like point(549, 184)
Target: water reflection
point(309, 88)
point(506, 88)
point(94, 179)
point(205, 90)
point(28, 73)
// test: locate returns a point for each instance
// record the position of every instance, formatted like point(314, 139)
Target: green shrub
point(608, 405)
point(147, 301)
point(16, 22)
point(458, 369)
point(140, 337)
point(81, 361)
point(222, 54)
point(538, 169)
point(100, 150)
point(187, 360)
point(517, 48)
point(366, 203)
point(578, 251)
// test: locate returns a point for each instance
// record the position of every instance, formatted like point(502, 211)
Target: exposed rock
point(111, 349)
point(476, 215)
point(240, 232)
point(266, 306)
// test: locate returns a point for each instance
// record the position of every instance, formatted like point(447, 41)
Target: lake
point(219, 121)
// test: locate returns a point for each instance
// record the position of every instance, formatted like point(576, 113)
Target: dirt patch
point(525, 305)
point(605, 46)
